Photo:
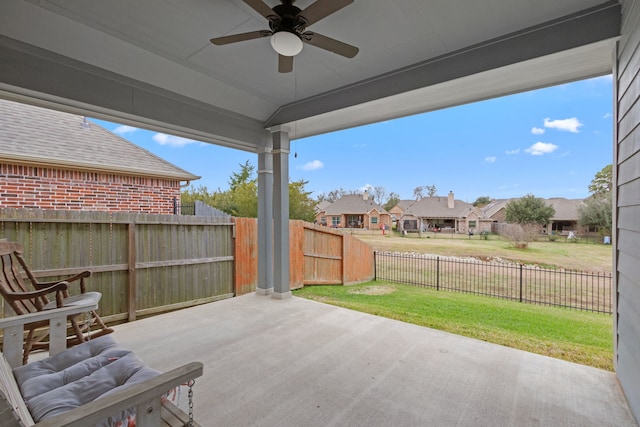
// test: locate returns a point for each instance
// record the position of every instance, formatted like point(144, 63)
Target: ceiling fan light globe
point(286, 43)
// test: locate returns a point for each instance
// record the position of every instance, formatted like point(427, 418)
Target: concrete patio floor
point(296, 362)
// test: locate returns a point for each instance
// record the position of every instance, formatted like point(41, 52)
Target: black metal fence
point(518, 282)
point(180, 208)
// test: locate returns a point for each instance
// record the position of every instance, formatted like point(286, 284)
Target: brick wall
point(47, 188)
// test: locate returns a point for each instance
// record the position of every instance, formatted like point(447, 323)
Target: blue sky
point(549, 142)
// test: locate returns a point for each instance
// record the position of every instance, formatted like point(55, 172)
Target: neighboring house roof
point(494, 207)
point(566, 209)
point(353, 204)
point(438, 207)
point(42, 137)
point(322, 205)
point(405, 204)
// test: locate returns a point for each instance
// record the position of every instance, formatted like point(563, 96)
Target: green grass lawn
point(559, 254)
point(576, 336)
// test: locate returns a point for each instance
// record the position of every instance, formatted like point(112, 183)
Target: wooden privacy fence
point(142, 264)
point(145, 264)
point(318, 255)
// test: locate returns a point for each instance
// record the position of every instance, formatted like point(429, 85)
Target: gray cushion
point(66, 359)
point(121, 373)
point(79, 375)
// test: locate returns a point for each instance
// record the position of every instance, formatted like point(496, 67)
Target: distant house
point(55, 160)
point(354, 211)
point(399, 209)
point(447, 214)
point(495, 211)
point(565, 219)
point(322, 205)
point(442, 214)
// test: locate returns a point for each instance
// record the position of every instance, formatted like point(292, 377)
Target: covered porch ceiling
point(149, 63)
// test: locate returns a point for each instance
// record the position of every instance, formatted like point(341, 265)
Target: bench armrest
point(25, 319)
point(14, 330)
point(145, 396)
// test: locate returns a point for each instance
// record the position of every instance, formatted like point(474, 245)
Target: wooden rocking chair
point(24, 301)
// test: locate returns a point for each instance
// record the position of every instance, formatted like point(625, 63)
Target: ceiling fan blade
point(321, 9)
point(260, 7)
point(240, 37)
point(285, 64)
point(332, 45)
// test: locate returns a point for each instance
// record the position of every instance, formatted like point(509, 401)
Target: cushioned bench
point(93, 383)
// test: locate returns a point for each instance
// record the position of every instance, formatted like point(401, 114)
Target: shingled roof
point(405, 204)
point(42, 137)
point(353, 204)
point(494, 207)
point(565, 209)
point(437, 207)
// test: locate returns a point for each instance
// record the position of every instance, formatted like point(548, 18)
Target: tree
point(530, 213)
point(602, 182)
point(418, 192)
point(191, 194)
point(597, 211)
point(241, 199)
point(424, 190)
point(301, 205)
point(332, 195)
point(482, 201)
point(240, 178)
point(375, 193)
point(393, 200)
point(379, 194)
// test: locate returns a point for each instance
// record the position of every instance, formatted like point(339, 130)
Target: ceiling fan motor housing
point(287, 18)
point(287, 29)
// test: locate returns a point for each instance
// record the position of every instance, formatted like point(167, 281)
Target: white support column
point(281, 213)
point(265, 220)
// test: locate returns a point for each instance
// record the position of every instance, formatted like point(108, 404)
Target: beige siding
point(627, 236)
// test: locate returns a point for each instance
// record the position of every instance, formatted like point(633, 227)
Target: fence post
point(375, 266)
point(131, 269)
point(437, 273)
point(520, 282)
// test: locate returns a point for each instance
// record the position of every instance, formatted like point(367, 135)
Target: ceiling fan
point(288, 29)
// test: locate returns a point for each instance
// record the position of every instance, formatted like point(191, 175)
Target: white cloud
point(490, 159)
point(124, 129)
point(516, 151)
point(570, 125)
point(366, 187)
point(312, 165)
point(540, 148)
point(606, 116)
point(537, 131)
point(173, 141)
